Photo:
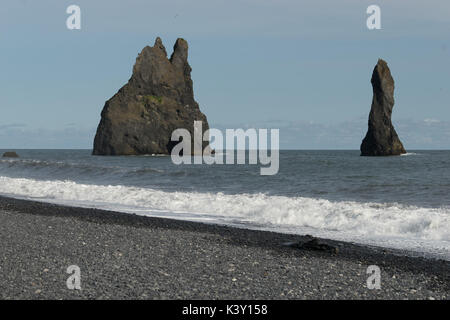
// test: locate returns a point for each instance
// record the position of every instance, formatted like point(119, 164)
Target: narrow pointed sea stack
point(381, 138)
point(140, 118)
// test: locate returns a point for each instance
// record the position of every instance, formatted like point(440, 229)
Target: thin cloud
point(12, 126)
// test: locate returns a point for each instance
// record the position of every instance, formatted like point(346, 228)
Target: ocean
point(393, 202)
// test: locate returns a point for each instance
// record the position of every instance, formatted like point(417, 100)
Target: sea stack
point(10, 154)
point(140, 118)
point(381, 138)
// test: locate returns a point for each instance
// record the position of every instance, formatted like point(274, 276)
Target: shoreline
point(125, 256)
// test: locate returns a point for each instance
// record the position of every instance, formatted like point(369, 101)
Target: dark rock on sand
point(10, 154)
point(312, 243)
point(381, 138)
point(158, 98)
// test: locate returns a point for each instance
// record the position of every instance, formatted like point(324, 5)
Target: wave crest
point(374, 219)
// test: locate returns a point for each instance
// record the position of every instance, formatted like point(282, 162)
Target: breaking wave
point(393, 225)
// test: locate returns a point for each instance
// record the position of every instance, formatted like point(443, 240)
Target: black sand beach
point(130, 257)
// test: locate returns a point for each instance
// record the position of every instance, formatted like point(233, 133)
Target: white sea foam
point(409, 154)
point(390, 225)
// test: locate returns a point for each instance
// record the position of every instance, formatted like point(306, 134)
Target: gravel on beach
point(124, 256)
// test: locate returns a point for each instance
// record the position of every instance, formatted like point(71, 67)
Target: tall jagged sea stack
point(140, 118)
point(381, 138)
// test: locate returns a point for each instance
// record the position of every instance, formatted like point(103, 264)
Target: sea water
point(395, 202)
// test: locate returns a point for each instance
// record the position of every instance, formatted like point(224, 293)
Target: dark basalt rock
point(158, 98)
point(10, 154)
point(313, 244)
point(381, 138)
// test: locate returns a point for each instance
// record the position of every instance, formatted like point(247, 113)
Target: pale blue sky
point(301, 66)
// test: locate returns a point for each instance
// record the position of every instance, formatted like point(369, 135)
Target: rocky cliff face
point(158, 98)
point(381, 138)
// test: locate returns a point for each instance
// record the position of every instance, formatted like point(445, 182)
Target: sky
point(301, 66)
